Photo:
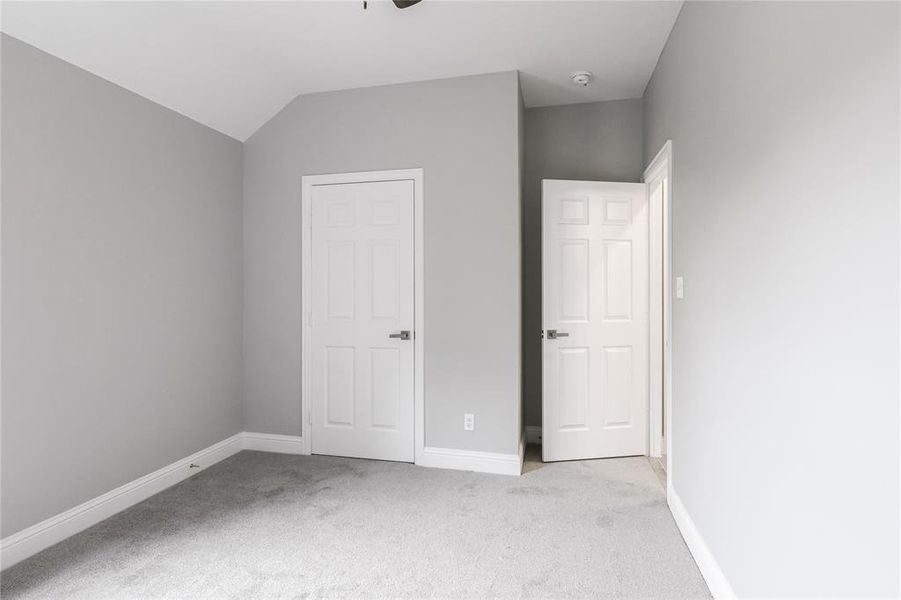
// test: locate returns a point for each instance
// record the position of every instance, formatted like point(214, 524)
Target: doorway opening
point(607, 314)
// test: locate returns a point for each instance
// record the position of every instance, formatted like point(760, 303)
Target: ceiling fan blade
point(405, 3)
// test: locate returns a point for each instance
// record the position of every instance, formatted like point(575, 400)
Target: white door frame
point(661, 306)
point(307, 183)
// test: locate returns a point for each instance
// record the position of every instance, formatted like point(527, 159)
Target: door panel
point(385, 386)
point(595, 265)
point(617, 280)
point(617, 369)
point(362, 292)
point(574, 388)
point(574, 280)
point(339, 386)
point(340, 276)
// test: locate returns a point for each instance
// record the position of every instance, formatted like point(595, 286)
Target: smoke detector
point(582, 78)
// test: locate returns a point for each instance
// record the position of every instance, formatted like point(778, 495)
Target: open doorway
point(579, 398)
point(658, 180)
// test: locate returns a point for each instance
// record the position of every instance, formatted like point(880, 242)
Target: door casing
point(661, 306)
point(307, 184)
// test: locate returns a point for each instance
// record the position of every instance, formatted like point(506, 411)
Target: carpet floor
point(261, 525)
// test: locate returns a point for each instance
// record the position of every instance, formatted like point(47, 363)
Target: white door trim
point(307, 183)
point(661, 167)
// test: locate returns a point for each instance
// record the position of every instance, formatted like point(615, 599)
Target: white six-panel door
point(362, 299)
point(595, 301)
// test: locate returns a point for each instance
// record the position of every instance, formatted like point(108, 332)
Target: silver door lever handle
point(553, 334)
point(403, 335)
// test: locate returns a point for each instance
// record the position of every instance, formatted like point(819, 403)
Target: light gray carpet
point(276, 526)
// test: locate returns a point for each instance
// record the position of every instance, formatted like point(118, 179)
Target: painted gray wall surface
point(784, 120)
point(463, 133)
point(121, 282)
point(594, 141)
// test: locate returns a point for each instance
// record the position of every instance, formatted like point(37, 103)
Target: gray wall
point(121, 277)
point(784, 120)
point(594, 141)
point(463, 133)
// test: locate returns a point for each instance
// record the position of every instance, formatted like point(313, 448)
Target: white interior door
point(595, 305)
point(361, 365)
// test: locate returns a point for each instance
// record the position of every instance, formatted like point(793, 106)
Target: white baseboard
point(32, 540)
point(710, 569)
point(533, 434)
point(471, 460)
point(271, 442)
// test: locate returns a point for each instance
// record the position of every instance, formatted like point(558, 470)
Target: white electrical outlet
point(469, 421)
point(680, 288)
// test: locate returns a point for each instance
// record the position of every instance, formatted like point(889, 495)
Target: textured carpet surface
point(261, 525)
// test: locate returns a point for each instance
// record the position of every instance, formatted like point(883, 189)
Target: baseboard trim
point(471, 460)
point(533, 434)
point(271, 442)
point(19, 546)
point(710, 569)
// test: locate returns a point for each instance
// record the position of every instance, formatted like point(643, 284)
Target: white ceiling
point(233, 65)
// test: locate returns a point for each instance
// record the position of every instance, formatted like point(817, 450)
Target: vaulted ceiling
point(233, 65)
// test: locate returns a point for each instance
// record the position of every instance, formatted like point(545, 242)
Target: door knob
point(403, 335)
point(553, 334)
